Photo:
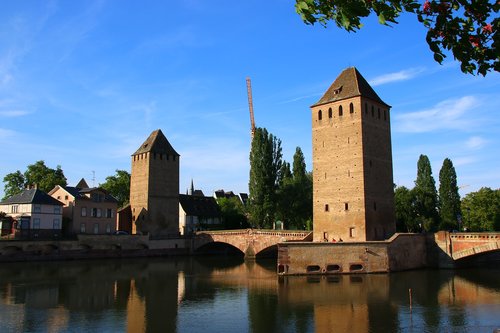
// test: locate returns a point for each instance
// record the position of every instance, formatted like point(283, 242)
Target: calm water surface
point(209, 294)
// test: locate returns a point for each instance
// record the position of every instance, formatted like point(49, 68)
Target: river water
point(225, 294)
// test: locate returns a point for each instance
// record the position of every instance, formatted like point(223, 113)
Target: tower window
point(373, 111)
point(351, 108)
point(385, 114)
point(351, 232)
point(340, 111)
point(366, 108)
point(374, 206)
point(327, 208)
point(320, 115)
point(330, 113)
point(346, 206)
point(378, 113)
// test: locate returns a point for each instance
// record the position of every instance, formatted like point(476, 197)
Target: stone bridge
point(462, 245)
point(251, 242)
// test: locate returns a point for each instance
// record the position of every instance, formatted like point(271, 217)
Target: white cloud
point(475, 142)
point(448, 114)
point(402, 75)
point(13, 113)
point(4, 133)
point(459, 161)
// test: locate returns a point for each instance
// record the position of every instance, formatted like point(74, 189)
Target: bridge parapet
point(249, 241)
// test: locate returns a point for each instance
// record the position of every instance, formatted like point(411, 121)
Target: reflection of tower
point(136, 309)
point(154, 187)
point(352, 162)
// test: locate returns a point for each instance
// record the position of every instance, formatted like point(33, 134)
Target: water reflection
point(210, 294)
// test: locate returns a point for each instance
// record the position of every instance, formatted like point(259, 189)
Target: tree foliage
point(449, 199)
point(425, 195)
point(469, 29)
point(404, 206)
point(265, 166)
point(295, 195)
point(233, 213)
point(481, 210)
point(118, 186)
point(36, 174)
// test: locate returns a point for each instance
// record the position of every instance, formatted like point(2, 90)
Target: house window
point(340, 111)
point(327, 208)
point(82, 228)
point(374, 206)
point(37, 209)
point(330, 113)
point(320, 115)
point(56, 224)
point(14, 208)
point(108, 228)
point(93, 213)
point(36, 223)
point(84, 211)
point(57, 210)
point(65, 197)
point(96, 228)
point(351, 108)
point(352, 233)
point(99, 212)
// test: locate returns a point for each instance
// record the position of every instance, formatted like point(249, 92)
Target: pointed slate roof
point(156, 143)
point(33, 196)
point(350, 83)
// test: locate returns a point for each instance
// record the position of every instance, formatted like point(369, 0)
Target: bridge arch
point(251, 242)
point(219, 248)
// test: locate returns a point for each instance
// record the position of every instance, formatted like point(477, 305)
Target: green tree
point(404, 206)
point(233, 213)
point(118, 186)
point(469, 29)
point(265, 166)
point(449, 199)
point(14, 184)
point(36, 174)
point(43, 177)
point(425, 195)
point(482, 210)
point(295, 195)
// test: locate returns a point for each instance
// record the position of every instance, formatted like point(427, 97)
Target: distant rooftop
point(33, 196)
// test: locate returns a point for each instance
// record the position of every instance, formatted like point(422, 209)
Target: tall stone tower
point(154, 187)
point(353, 196)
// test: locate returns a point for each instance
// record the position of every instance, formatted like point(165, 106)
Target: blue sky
point(83, 83)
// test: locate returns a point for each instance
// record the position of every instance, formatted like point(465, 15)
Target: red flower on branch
point(427, 7)
point(488, 28)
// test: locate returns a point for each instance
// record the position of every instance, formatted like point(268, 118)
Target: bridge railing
point(474, 236)
point(267, 232)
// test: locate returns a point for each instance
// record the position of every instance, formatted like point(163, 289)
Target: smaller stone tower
point(154, 187)
point(353, 196)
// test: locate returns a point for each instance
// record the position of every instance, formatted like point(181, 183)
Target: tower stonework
point(154, 187)
point(353, 198)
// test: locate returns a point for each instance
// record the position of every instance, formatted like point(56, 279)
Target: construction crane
point(250, 107)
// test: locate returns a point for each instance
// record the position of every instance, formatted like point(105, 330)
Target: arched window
point(320, 115)
point(330, 113)
point(351, 108)
point(340, 111)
